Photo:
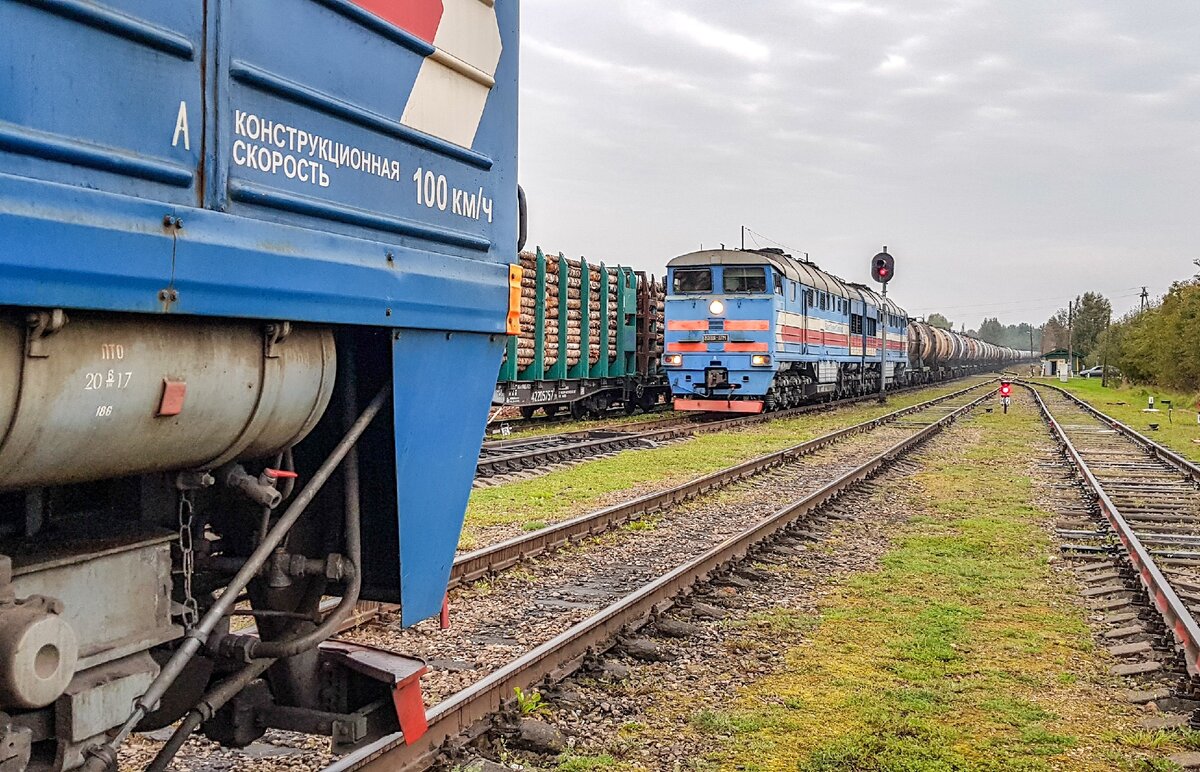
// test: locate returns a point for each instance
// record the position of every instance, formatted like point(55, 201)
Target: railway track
point(500, 458)
point(491, 559)
point(495, 426)
point(1142, 542)
point(633, 589)
point(474, 565)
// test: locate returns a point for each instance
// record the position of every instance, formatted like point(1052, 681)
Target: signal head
point(883, 267)
point(1005, 389)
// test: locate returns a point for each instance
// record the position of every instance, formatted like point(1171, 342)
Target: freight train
point(755, 330)
point(235, 241)
point(591, 337)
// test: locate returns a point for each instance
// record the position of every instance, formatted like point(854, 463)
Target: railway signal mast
point(883, 267)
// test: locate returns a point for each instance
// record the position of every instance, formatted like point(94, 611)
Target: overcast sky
point(1011, 153)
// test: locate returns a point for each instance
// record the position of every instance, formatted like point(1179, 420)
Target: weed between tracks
point(964, 651)
point(576, 489)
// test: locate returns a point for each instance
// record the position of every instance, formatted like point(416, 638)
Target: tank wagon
point(235, 238)
point(754, 330)
point(935, 354)
point(591, 337)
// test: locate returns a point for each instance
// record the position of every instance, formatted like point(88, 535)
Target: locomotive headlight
point(760, 360)
point(673, 359)
point(716, 308)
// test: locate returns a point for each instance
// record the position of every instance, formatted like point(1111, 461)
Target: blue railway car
point(241, 245)
point(748, 330)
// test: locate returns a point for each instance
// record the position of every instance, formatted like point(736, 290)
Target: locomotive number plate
point(715, 338)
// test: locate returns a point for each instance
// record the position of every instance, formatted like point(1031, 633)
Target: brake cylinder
point(94, 396)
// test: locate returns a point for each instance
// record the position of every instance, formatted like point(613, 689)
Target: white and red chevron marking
point(452, 86)
point(420, 17)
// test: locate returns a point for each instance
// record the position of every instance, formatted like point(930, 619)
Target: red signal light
point(881, 267)
point(1005, 389)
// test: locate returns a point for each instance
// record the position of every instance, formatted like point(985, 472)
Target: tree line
point(1158, 344)
point(1155, 344)
point(1084, 323)
point(1023, 336)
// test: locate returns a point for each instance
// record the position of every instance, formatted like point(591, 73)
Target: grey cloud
point(1001, 148)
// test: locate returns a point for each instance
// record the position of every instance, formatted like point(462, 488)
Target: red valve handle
point(280, 473)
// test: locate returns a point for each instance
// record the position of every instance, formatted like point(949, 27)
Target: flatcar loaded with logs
point(591, 338)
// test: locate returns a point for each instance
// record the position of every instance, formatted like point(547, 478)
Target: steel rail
point(558, 657)
point(496, 445)
point(1169, 605)
point(535, 457)
point(1160, 452)
point(565, 417)
point(477, 564)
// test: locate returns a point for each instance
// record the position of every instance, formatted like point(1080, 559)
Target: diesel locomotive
point(755, 330)
point(236, 241)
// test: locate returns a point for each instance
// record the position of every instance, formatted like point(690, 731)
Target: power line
point(768, 239)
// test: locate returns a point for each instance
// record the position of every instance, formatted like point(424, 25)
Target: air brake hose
point(103, 756)
point(255, 648)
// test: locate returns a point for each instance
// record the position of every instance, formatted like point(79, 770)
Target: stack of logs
point(525, 342)
point(658, 307)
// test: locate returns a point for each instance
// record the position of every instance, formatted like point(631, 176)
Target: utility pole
point(883, 346)
point(1104, 358)
point(1070, 331)
point(1144, 296)
point(743, 238)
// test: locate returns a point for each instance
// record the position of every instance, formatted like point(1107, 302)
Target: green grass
point(570, 762)
point(963, 651)
point(613, 419)
point(565, 492)
point(1126, 403)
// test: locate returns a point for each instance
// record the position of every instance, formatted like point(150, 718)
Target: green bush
point(1158, 345)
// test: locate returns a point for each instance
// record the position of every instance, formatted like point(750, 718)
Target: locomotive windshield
point(738, 279)
point(693, 280)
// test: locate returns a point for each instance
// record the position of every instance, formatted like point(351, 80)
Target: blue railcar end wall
point(107, 205)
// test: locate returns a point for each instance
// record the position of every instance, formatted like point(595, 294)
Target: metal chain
point(191, 609)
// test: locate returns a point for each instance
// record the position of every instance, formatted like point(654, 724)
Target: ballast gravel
point(494, 622)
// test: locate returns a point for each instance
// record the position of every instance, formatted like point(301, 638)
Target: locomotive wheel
point(577, 410)
point(551, 410)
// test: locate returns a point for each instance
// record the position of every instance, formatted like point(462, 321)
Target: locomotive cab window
point(739, 279)
point(693, 280)
point(778, 284)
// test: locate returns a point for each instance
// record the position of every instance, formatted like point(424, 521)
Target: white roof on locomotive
point(783, 263)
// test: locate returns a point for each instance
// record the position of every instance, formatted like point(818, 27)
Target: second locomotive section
point(755, 330)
